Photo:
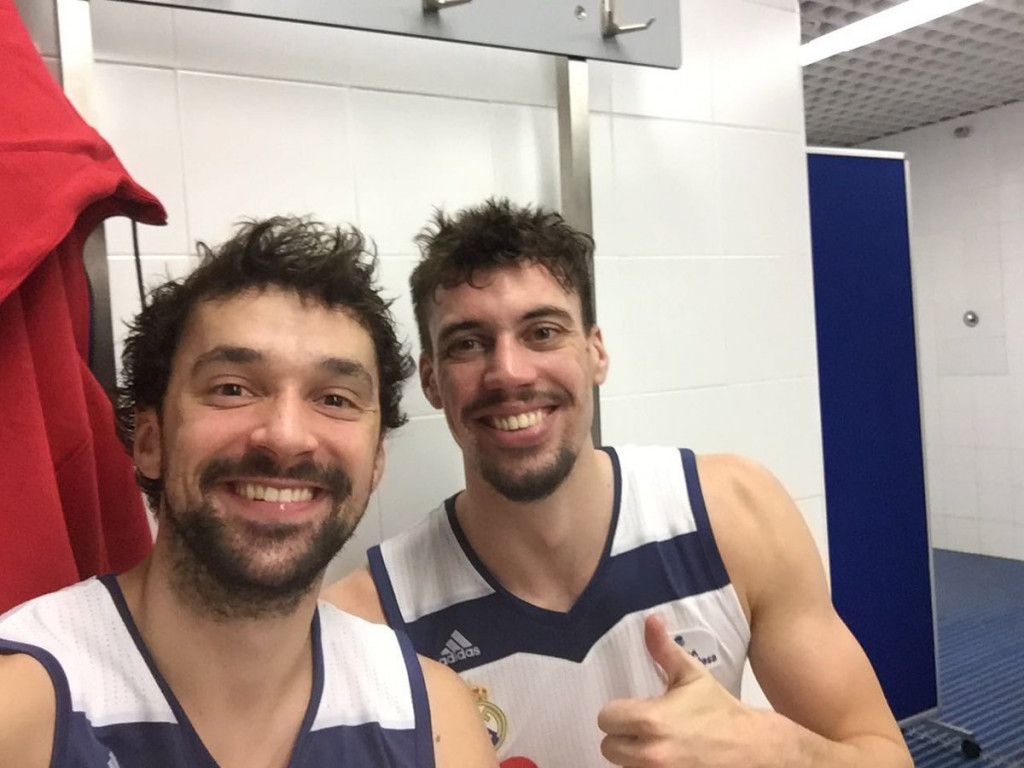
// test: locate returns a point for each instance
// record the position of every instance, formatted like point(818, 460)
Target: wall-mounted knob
point(971, 318)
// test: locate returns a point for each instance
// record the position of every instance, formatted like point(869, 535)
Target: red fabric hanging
point(69, 506)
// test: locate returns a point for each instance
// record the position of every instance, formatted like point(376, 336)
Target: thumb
point(679, 666)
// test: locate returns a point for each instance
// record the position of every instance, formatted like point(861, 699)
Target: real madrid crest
point(493, 717)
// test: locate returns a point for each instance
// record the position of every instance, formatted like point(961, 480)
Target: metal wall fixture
point(579, 29)
point(611, 28)
point(971, 318)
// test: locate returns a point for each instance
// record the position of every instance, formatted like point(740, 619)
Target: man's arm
point(460, 739)
point(27, 713)
point(829, 708)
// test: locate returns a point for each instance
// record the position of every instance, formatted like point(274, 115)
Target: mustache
point(528, 396)
point(333, 480)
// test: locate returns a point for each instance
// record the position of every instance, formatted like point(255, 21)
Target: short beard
point(212, 572)
point(532, 486)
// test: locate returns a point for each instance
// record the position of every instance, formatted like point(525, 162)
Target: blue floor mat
point(980, 612)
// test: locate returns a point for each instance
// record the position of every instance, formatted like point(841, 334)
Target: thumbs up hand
point(696, 723)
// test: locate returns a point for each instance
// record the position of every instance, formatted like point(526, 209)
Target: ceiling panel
point(956, 65)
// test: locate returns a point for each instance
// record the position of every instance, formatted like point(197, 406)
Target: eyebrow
point(339, 366)
point(227, 354)
point(343, 366)
point(549, 311)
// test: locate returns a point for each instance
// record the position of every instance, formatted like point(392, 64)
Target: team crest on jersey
point(700, 644)
point(495, 720)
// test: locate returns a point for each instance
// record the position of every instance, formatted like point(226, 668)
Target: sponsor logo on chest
point(699, 643)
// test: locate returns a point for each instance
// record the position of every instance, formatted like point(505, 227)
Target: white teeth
point(519, 421)
point(278, 495)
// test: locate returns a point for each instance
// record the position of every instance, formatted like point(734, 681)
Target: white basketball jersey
point(115, 710)
point(542, 676)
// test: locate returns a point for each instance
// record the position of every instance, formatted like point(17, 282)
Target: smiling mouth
point(257, 492)
point(517, 421)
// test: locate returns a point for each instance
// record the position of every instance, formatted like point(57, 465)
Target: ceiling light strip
point(892, 21)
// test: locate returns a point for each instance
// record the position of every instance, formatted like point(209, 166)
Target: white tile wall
point(137, 110)
point(413, 153)
point(657, 208)
point(757, 76)
point(132, 33)
point(968, 242)
point(261, 147)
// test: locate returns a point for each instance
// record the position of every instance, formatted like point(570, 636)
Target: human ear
point(598, 355)
point(428, 380)
point(146, 446)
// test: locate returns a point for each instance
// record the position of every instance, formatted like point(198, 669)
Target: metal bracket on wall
point(572, 78)
point(580, 29)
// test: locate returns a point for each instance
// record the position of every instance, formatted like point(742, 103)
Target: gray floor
point(980, 612)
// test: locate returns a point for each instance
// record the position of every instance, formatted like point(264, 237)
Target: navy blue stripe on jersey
point(62, 726)
point(496, 627)
point(420, 704)
point(385, 589)
point(315, 695)
point(590, 594)
point(200, 755)
point(156, 745)
point(364, 745)
point(712, 557)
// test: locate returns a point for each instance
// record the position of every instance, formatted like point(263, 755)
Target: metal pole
point(74, 36)
point(573, 84)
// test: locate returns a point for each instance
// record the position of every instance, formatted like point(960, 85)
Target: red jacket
point(69, 506)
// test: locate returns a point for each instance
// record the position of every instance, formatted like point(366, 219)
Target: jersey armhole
point(385, 589)
point(424, 735)
point(712, 557)
point(62, 695)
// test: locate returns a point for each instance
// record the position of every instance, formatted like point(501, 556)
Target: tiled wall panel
point(967, 240)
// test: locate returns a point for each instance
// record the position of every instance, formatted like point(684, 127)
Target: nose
point(510, 365)
point(284, 428)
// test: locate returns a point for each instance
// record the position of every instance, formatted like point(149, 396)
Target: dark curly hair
point(325, 264)
point(499, 233)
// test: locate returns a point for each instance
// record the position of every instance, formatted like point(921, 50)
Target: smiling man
point(601, 601)
point(256, 396)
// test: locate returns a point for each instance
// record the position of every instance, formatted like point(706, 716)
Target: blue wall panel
point(871, 427)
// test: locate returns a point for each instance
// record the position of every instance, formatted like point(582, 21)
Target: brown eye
point(229, 390)
point(337, 401)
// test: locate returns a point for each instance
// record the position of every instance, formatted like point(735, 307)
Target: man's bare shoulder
point(759, 530)
point(460, 739)
point(356, 594)
point(740, 492)
point(27, 712)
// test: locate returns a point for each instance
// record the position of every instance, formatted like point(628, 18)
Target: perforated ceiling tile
point(956, 65)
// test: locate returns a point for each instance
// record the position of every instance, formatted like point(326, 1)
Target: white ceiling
point(956, 65)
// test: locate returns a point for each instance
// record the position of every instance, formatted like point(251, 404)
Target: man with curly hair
point(256, 395)
point(542, 582)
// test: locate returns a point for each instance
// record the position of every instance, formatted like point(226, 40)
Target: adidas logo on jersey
point(458, 648)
